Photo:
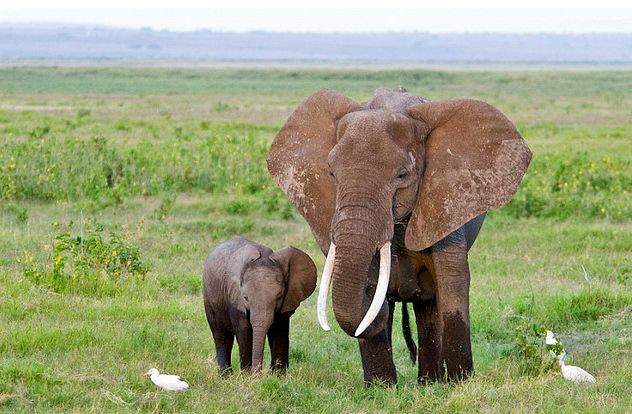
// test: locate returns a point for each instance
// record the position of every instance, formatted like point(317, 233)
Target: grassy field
point(152, 167)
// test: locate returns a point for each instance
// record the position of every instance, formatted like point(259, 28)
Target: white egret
point(573, 373)
point(569, 372)
point(550, 338)
point(167, 382)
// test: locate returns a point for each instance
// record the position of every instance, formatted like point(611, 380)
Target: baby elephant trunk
point(260, 326)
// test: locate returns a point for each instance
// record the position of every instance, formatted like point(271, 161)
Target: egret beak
point(146, 374)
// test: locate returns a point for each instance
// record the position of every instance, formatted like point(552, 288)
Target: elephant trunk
point(361, 226)
point(259, 332)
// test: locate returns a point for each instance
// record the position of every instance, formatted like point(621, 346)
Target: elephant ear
point(297, 159)
point(300, 272)
point(474, 161)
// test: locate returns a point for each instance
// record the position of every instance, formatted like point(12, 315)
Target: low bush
point(220, 159)
point(530, 354)
point(561, 186)
point(87, 263)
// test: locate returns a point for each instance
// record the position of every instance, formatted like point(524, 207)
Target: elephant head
point(354, 169)
point(272, 285)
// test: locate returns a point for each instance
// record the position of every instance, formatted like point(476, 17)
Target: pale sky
point(545, 17)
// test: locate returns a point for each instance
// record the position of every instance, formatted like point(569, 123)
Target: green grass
point(174, 160)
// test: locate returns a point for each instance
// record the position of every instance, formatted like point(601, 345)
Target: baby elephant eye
point(246, 298)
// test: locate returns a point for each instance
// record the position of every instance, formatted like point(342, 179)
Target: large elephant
point(411, 179)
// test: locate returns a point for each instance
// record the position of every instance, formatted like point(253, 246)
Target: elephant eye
point(402, 174)
point(246, 298)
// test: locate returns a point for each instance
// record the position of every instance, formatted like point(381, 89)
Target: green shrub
point(88, 262)
point(562, 186)
point(167, 202)
point(238, 206)
point(530, 354)
point(21, 213)
point(39, 132)
point(231, 158)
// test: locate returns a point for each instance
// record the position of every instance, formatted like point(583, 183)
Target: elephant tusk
point(323, 290)
point(380, 290)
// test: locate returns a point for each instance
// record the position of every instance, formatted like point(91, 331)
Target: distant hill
point(62, 42)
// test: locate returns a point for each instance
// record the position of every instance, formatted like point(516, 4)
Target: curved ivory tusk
point(380, 290)
point(323, 290)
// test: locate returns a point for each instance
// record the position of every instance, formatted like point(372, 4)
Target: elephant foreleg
point(244, 340)
point(452, 280)
point(377, 359)
point(279, 341)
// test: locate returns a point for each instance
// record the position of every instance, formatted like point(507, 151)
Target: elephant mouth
point(378, 297)
point(401, 219)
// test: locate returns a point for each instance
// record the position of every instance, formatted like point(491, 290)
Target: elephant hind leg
point(223, 349)
point(427, 319)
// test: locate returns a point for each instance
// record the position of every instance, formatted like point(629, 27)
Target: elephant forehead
point(375, 123)
point(396, 100)
point(264, 270)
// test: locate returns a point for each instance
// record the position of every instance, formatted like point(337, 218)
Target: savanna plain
point(116, 182)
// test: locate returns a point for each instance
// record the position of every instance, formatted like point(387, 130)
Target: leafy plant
point(87, 262)
point(530, 353)
point(83, 113)
point(167, 202)
point(21, 214)
point(40, 131)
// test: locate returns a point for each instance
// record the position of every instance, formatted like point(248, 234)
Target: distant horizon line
point(166, 30)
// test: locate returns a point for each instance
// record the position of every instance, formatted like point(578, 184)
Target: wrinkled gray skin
point(250, 292)
point(419, 174)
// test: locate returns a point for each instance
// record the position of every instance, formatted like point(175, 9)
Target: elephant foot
point(457, 349)
point(457, 375)
point(380, 381)
point(278, 368)
point(447, 376)
point(428, 377)
point(377, 360)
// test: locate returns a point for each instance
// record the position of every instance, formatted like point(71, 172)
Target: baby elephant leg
point(244, 340)
point(279, 341)
point(223, 349)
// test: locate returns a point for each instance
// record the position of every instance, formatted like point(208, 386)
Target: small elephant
point(251, 291)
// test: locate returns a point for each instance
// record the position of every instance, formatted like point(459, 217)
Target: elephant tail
point(410, 343)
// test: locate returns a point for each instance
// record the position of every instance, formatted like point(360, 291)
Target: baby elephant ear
point(475, 159)
point(297, 159)
point(300, 272)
